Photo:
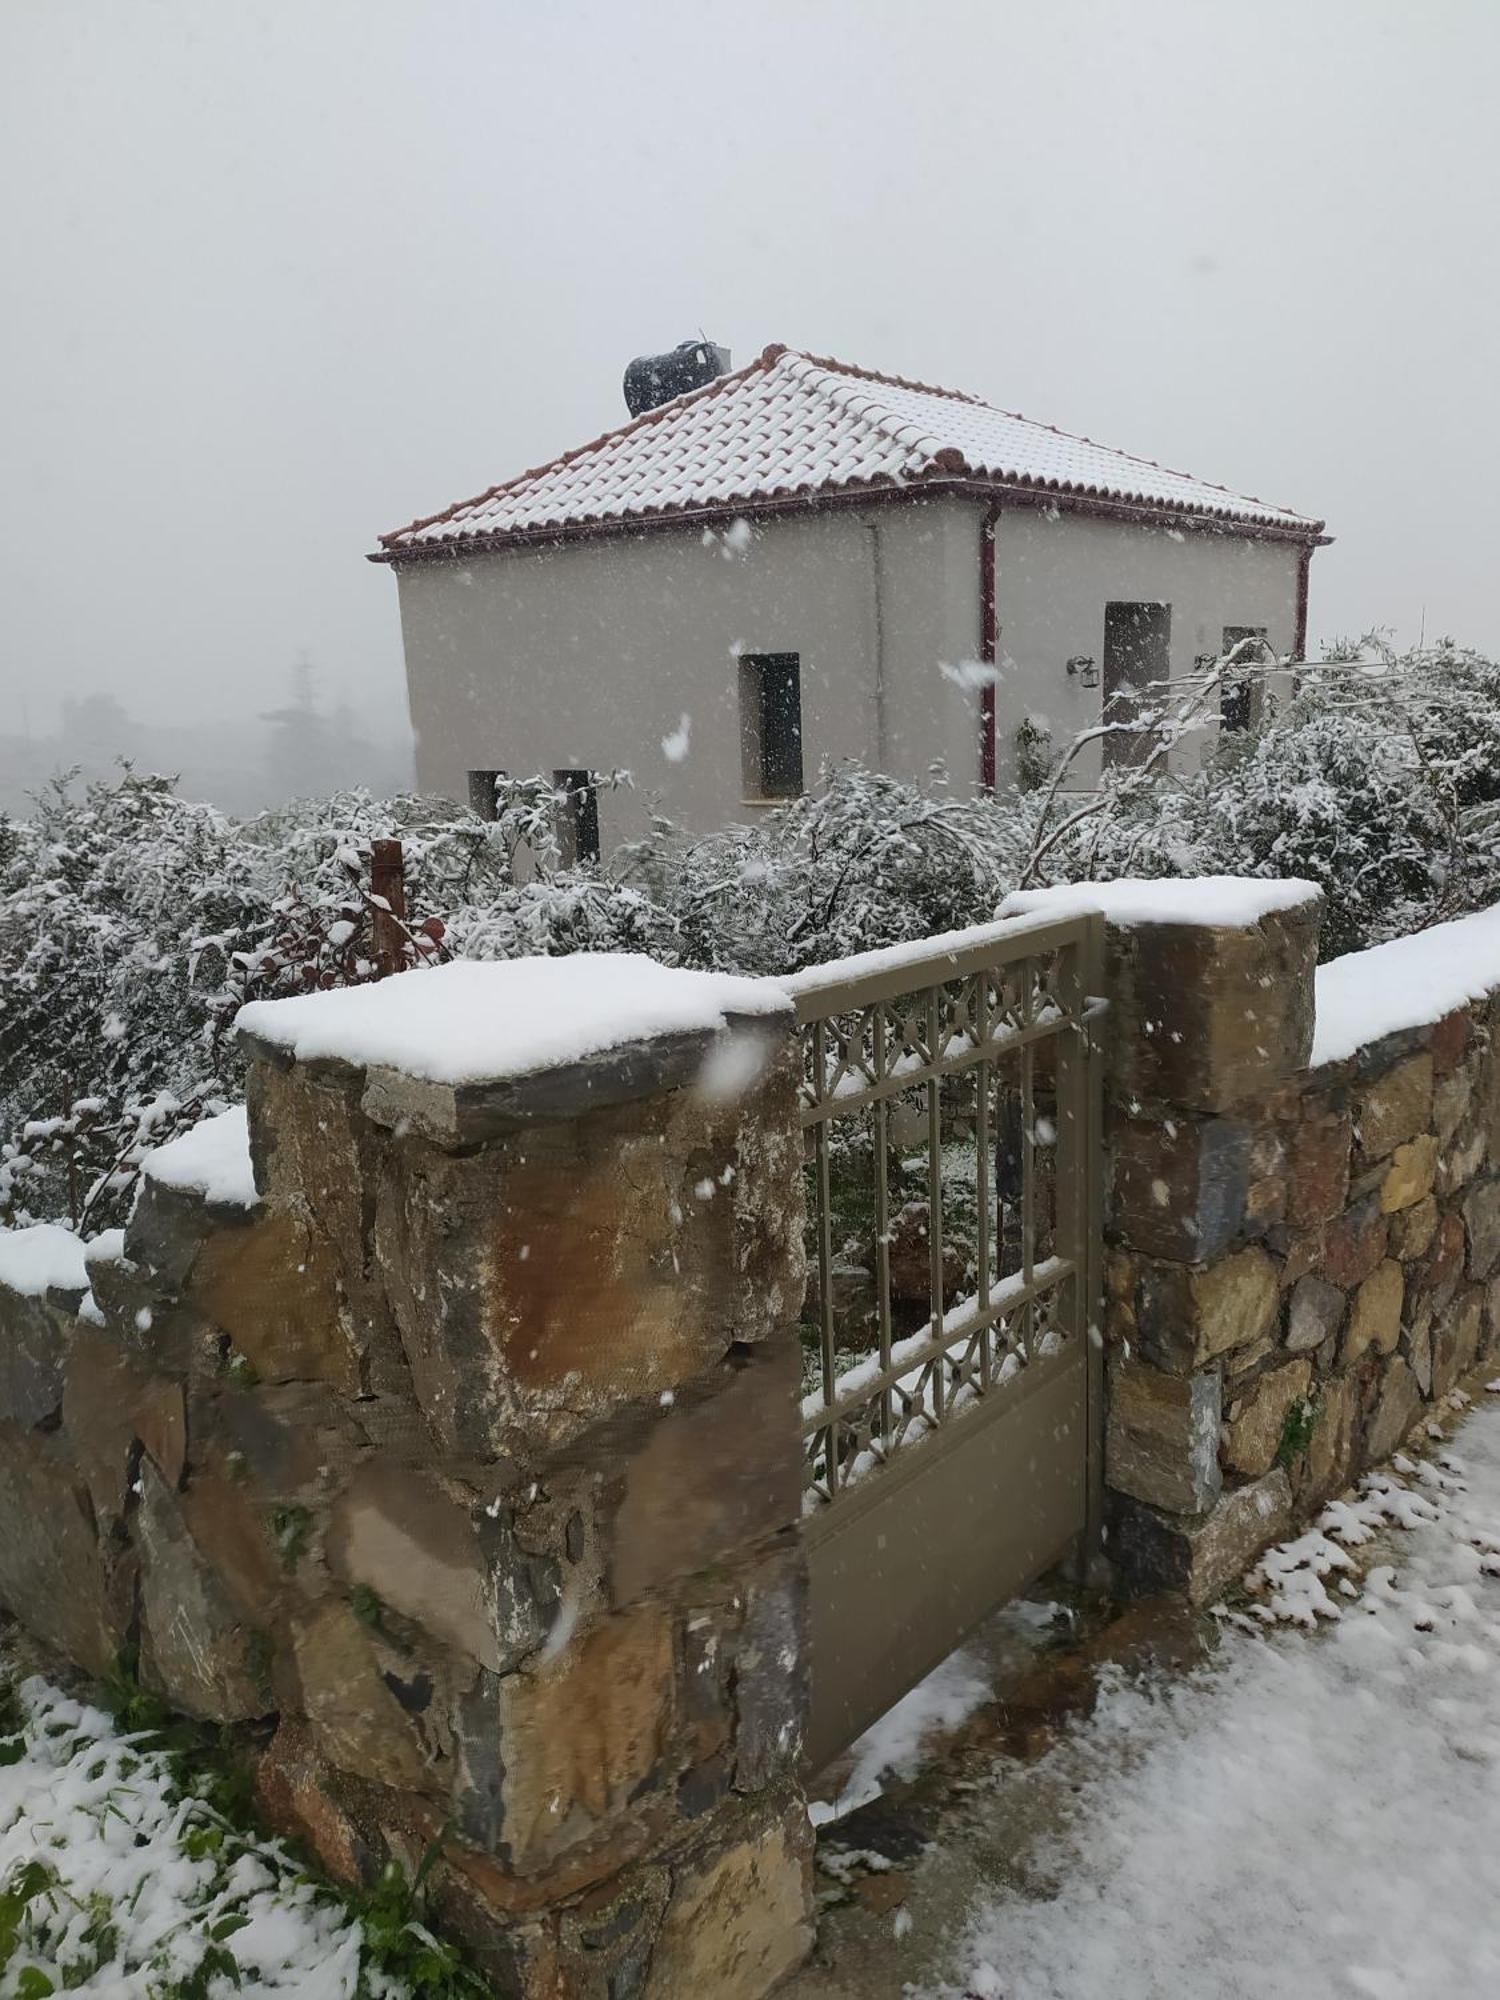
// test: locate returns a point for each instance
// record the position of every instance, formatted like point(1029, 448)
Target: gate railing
point(952, 1158)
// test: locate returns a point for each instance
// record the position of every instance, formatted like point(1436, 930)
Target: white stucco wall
point(588, 655)
point(1054, 574)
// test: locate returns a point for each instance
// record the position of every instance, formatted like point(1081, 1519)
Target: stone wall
point(1302, 1261)
point(461, 1469)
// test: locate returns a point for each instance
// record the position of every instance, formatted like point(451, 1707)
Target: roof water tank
point(653, 379)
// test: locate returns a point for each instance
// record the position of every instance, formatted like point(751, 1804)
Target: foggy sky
point(283, 273)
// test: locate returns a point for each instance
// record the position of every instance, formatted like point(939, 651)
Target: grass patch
point(129, 1862)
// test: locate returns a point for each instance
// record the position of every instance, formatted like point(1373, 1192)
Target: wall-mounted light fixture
point(1083, 666)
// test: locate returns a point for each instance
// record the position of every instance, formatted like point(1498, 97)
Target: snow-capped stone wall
point(447, 1443)
point(1304, 1217)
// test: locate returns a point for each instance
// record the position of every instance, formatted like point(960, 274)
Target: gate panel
point(952, 1390)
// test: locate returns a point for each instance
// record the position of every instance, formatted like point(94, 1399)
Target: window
point(580, 816)
point(482, 793)
point(1239, 691)
point(1137, 662)
point(771, 725)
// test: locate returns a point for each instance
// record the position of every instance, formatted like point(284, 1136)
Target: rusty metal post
point(388, 895)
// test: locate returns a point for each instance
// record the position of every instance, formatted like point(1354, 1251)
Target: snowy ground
point(1315, 1812)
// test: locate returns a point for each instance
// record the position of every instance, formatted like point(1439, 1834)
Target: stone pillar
point(562, 1607)
point(1208, 1022)
point(461, 1466)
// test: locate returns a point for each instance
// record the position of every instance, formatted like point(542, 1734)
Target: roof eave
point(1102, 506)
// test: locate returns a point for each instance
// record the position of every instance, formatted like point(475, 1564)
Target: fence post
point(388, 894)
point(1208, 1021)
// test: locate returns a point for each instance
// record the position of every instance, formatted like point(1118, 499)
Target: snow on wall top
point(476, 1022)
point(1204, 899)
point(1411, 982)
point(792, 425)
point(34, 1260)
point(211, 1159)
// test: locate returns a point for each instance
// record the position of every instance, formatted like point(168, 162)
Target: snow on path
point(1306, 1818)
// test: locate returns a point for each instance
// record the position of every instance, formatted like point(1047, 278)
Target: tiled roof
point(792, 426)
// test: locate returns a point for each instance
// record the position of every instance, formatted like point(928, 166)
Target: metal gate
point(952, 1409)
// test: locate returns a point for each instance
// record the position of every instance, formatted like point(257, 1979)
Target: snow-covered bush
point(133, 923)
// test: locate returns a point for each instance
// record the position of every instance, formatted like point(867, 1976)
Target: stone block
point(1319, 1181)
point(238, 1541)
point(197, 1648)
point(289, 1441)
point(1179, 1186)
point(1450, 1040)
point(1162, 1435)
point(167, 1228)
point(1255, 1420)
point(1354, 1244)
point(1412, 1229)
point(35, 1336)
point(1237, 1302)
point(52, 1568)
point(1190, 1317)
point(110, 1404)
point(1265, 1205)
point(455, 1571)
point(1409, 1177)
point(1200, 1555)
point(1451, 1099)
point(1397, 1410)
point(1394, 1108)
point(1456, 1337)
point(1208, 1018)
point(542, 1283)
point(1416, 1345)
point(1375, 1316)
point(740, 1916)
point(273, 1288)
point(364, 1706)
point(770, 1673)
point(714, 1475)
point(1445, 1254)
point(1481, 1213)
point(1332, 1457)
point(581, 1736)
point(294, 1797)
point(606, 1938)
point(318, 1158)
point(1315, 1313)
point(1462, 1158)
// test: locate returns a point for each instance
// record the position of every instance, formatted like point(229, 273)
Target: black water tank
point(652, 379)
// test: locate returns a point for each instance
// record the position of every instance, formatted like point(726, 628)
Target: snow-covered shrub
point(133, 923)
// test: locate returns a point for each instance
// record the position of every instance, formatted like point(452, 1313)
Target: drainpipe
point(988, 647)
point(877, 583)
point(1299, 642)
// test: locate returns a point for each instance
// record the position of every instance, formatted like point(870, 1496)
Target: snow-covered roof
point(792, 428)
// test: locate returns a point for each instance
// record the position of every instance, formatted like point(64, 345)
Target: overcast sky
point(283, 273)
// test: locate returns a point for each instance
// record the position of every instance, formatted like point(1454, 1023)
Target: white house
point(804, 560)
